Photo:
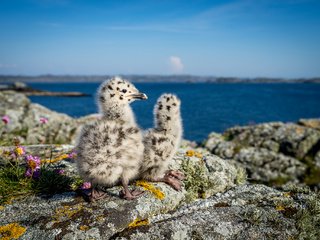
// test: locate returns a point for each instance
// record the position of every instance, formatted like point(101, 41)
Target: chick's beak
point(141, 96)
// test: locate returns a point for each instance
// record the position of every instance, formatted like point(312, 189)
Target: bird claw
point(93, 194)
point(131, 195)
point(176, 174)
point(173, 182)
point(97, 194)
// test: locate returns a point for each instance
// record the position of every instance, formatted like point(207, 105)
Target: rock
point(68, 216)
point(289, 139)
point(265, 166)
point(25, 122)
point(19, 85)
point(245, 212)
point(311, 123)
point(272, 153)
point(217, 144)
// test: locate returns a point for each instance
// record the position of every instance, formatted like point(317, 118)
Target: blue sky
point(245, 38)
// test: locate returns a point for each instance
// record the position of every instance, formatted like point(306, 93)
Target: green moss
point(312, 176)
point(293, 188)
point(241, 177)
point(278, 181)
point(227, 137)
point(197, 180)
point(308, 219)
point(237, 149)
point(306, 213)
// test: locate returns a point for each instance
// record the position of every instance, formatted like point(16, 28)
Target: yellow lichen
point(280, 208)
point(149, 187)
point(287, 194)
point(84, 227)
point(198, 154)
point(11, 231)
point(138, 222)
point(57, 159)
point(190, 153)
point(66, 212)
point(1, 208)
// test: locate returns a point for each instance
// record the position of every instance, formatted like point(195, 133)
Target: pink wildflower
point(33, 166)
point(59, 171)
point(5, 119)
point(72, 154)
point(43, 120)
point(86, 185)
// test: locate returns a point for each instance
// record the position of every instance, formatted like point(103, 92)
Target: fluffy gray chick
point(110, 149)
point(162, 142)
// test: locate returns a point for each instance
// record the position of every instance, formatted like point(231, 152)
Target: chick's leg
point(97, 194)
point(176, 174)
point(126, 194)
point(171, 181)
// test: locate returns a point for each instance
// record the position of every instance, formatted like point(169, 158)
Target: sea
point(206, 107)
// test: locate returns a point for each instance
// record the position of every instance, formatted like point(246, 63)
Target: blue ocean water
point(205, 107)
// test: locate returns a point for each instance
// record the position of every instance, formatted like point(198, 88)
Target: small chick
point(110, 149)
point(162, 142)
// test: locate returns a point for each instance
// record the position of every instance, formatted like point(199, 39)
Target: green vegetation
point(308, 218)
point(241, 176)
point(14, 183)
point(197, 181)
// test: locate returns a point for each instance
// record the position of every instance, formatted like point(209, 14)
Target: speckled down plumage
point(162, 142)
point(110, 149)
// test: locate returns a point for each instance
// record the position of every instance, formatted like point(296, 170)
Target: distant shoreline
point(7, 79)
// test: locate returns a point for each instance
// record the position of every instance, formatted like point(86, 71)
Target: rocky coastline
point(21, 87)
point(253, 182)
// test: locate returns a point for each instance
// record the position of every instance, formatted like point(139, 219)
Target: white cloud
point(176, 64)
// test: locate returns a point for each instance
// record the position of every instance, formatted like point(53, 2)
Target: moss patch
point(241, 177)
point(308, 218)
point(197, 180)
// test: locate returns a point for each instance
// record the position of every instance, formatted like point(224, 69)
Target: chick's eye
point(124, 90)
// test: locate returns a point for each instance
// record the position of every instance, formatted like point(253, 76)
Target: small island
point(27, 90)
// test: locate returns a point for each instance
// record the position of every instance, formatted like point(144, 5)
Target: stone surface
point(25, 122)
point(244, 212)
point(272, 153)
point(312, 123)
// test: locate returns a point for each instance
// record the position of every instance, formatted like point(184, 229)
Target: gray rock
point(25, 122)
point(245, 212)
point(217, 145)
point(311, 123)
point(272, 153)
point(269, 167)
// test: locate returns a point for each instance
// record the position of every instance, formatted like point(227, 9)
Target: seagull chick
point(162, 142)
point(110, 149)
